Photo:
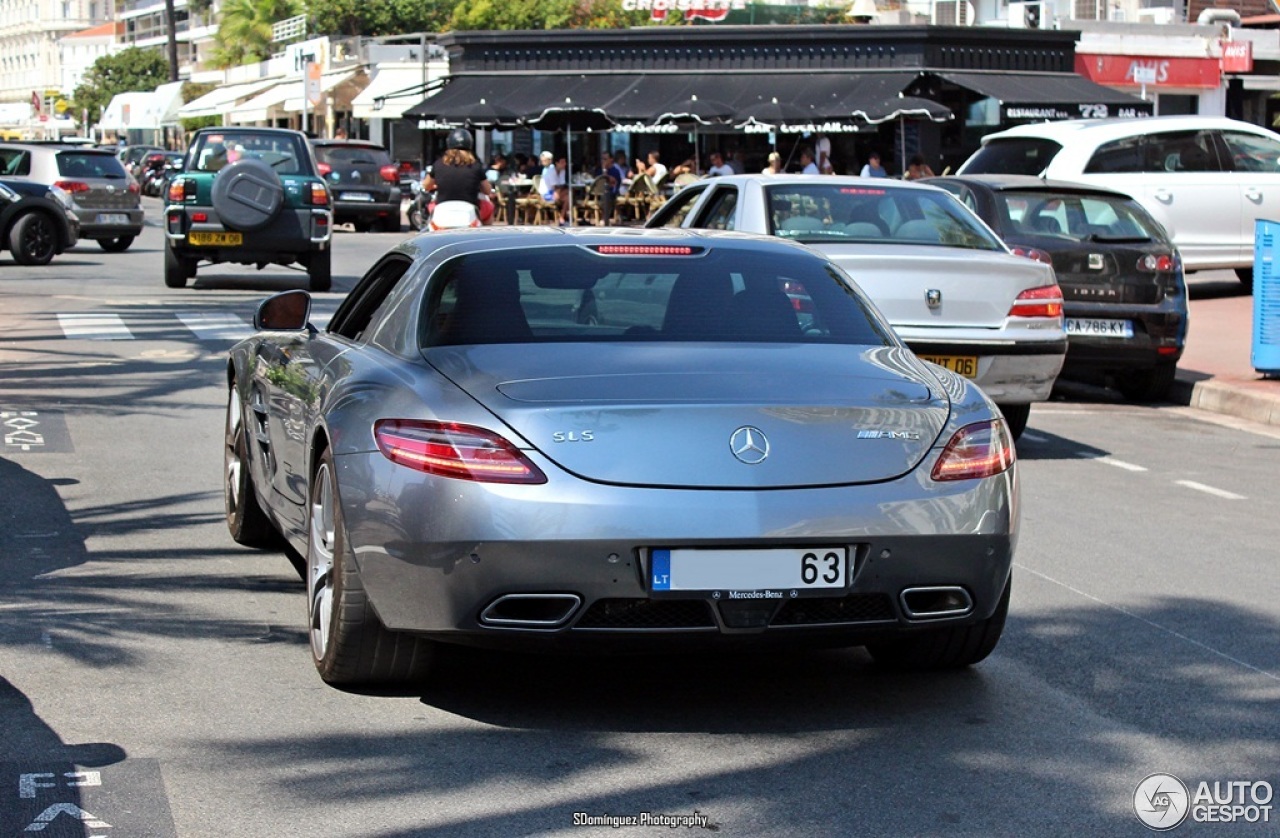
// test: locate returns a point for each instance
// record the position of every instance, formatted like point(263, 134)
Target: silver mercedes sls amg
point(617, 438)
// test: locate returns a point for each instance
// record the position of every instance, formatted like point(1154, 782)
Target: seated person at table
point(719, 168)
point(652, 167)
point(555, 184)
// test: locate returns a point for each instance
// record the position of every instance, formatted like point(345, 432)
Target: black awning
point(804, 102)
point(1039, 96)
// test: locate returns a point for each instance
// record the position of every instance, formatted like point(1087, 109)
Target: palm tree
point(244, 31)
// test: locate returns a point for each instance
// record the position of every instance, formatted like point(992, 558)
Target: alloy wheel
point(320, 552)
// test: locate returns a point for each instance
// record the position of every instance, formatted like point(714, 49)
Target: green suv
point(252, 196)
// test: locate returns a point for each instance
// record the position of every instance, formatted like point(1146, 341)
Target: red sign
point(1237, 56)
point(1118, 70)
point(691, 9)
point(35, 101)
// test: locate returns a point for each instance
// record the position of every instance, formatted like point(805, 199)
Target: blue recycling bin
point(1265, 352)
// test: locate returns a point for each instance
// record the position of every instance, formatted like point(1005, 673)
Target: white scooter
point(453, 215)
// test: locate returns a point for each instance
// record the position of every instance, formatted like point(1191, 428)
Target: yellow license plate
point(966, 365)
point(216, 239)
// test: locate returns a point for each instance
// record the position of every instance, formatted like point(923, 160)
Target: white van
point(1206, 179)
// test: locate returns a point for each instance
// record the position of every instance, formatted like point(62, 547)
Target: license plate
point(216, 239)
point(357, 196)
point(113, 218)
point(1099, 328)
point(750, 574)
point(966, 365)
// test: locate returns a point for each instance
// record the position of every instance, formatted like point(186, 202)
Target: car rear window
point(817, 214)
point(282, 152)
point(1078, 217)
point(1012, 156)
point(89, 164)
point(577, 294)
point(353, 155)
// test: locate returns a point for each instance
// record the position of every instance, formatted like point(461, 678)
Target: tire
point(247, 195)
point(349, 645)
point(119, 244)
point(417, 216)
point(1245, 275)
point(954, 647)
point(33, 240)
point(248, 524)
point(319, 270)
point(177, 269)
point(1015, 418)
point(1149, 385)
point(390, 224)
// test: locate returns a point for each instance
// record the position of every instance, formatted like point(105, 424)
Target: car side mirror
point(287, 311)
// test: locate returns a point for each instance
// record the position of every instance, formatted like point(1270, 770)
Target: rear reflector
point(644, 250)
point(447, 449)
point(1045, 301)
point(982, 449)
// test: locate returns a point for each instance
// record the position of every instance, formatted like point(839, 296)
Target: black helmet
point(459, 138)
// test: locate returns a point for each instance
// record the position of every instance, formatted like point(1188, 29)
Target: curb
point(1230, 399)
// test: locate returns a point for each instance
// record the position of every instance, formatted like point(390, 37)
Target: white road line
point(1030, 437)
point(1210, 490)
point(94, 326)
point(215, 326)
point(320, 319)
point(1111, 461)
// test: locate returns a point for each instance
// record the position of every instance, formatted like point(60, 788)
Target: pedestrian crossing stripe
point(210, 326)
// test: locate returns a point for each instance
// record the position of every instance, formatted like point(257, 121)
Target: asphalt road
point(155, 680)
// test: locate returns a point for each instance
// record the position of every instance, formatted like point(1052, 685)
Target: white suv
point(1206, 179)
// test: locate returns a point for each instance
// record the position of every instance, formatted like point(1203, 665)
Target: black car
point(365, 183)
point(36, 222)
point(1125, 299)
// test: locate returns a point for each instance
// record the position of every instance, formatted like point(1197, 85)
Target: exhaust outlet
point(936, 602)
point(530, 610)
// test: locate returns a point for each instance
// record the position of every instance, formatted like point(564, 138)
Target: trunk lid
point(642, 416)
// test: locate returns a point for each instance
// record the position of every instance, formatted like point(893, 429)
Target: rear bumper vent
point(651, 614)
point(855, 608)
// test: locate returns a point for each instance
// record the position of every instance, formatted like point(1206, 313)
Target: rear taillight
point(982, 449)
point(447, 449)
point(72, 185)
point(390, 174)
point(180, 189)
point(1157, 263)
point(324, 169)
point(319, 195)
point(1045, 301)
point(1032, 253)
point(133, 188)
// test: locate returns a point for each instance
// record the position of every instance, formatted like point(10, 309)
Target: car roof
point(57, 147)
point(362, 143)
point(819, 180)
point(1108, 129)
point(1030, 183)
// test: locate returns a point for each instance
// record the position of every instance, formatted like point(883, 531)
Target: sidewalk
point(1215, 372)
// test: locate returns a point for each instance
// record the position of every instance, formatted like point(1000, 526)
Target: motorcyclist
point(459, 176)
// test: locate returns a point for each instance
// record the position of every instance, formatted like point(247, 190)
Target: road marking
point(1030, 437)
point(1111, 461)
point(94, 326)
point(1210, 490)
point(1151, 623)
point(215, 325)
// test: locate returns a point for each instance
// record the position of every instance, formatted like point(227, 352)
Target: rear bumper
point(437, 575)
point(1159, 337)
point(294, 232)
point(90, 228)
point(348, 211)
point(1009, 372)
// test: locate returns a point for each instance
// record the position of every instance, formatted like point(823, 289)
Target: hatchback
point(104, 196)
point(1121, 278)
point(364, 181)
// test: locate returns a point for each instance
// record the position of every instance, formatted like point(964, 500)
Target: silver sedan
point(582, 438)
point(952, 290)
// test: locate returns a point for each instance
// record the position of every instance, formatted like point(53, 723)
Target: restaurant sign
point(827, 127)
point(692, 9)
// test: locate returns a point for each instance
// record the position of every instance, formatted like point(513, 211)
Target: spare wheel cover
point(247, 195)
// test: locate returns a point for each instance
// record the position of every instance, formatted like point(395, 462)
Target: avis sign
point(1237, 56)
point(692, 9)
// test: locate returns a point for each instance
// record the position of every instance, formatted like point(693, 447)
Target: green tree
point(244, 30)
point(129, 69)
point(388, 17)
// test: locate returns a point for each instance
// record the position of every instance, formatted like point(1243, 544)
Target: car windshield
point(710, 294)
point(282, 152)
point(817, 214)
point(85, 164)
point(352, 155)
point(1077, 217)
point(1012, 156)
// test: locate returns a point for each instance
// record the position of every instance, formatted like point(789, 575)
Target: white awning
point(218, 102)
point(328, 82)
point(390, 79)
point(125, 111)
point(282, 99)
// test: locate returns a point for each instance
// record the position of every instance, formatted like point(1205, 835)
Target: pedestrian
point(873, 167)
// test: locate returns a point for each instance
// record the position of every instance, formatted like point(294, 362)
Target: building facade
point(30, 55)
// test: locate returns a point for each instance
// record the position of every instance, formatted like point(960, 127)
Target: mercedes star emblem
point(749, 445)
